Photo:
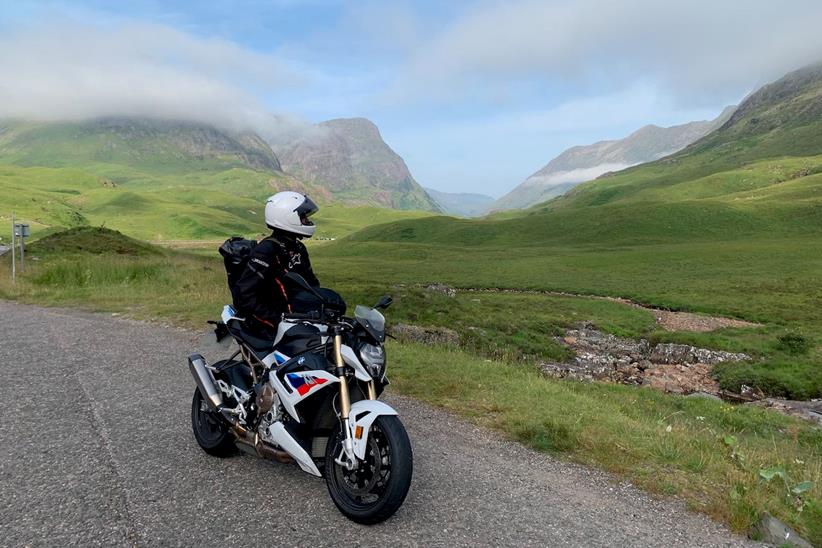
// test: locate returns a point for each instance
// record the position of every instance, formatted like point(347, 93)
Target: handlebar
point(299, 316)
point(315, 318)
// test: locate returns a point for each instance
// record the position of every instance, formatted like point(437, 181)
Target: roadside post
point(21, 231)
point(13, 251)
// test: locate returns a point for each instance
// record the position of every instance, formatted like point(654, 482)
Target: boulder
point(777, 533)
point(441, 288)
point(686, 354)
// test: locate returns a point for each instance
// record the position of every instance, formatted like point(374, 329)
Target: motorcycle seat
point(257, 344)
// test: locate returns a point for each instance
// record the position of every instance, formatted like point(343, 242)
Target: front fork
point(346, 457)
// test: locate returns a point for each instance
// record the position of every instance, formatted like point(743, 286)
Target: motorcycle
point(310, 397)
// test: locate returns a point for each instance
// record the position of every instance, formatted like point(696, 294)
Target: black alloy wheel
point(210, 431)
point(376, 489)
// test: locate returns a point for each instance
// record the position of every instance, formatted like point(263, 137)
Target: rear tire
point(377, 489)
point(210, 431)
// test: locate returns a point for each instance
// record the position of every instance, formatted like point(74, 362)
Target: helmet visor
point(306, 210)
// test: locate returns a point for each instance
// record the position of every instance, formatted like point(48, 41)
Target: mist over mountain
point(583, 163)
point(349, 157)
point(343, 160)
point(464, 204)
point(149, 144)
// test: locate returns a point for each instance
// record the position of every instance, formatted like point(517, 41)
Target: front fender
point(364, 413)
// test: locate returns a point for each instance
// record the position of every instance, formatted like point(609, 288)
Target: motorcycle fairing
point(303, 383)
point(289, 388)
point(275, 358)
point(282, 438)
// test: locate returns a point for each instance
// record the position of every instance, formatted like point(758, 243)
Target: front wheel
point(377, 488)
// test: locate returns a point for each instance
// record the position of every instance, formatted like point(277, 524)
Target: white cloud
point(697, 49)
point(67, 70)
point(574, 175)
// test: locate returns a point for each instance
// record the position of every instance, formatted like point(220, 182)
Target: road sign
point(21, 230)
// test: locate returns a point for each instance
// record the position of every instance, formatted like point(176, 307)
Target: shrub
point(793, 343)
point(792, 380)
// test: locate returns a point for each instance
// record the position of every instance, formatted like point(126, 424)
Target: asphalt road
point(96, 449)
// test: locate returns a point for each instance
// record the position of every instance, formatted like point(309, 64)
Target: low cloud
point(574, 175)
point(699, 50)
point(65, 70)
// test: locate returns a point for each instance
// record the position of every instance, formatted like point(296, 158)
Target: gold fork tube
point(345, 398)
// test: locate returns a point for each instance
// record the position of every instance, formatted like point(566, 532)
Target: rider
point(263, 293)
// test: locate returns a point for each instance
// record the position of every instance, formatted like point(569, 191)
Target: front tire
point(374, 491)
point(210, 431)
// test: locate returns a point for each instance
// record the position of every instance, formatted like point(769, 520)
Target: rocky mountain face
point(782, 117)
point(583, 163)
point(147, 144)
point(463, 204)
point(349, 157)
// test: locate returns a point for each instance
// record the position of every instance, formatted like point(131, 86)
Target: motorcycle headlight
point(374, 359)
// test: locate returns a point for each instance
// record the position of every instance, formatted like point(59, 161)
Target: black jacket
point(263, 293)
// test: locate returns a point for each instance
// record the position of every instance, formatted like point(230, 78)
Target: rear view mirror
point(384, 302)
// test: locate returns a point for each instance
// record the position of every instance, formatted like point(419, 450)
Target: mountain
point(146, 144)
point(756, 177)
point(463, 204)
point(583, 163)
point(162, 179)
point(349, 157)
point(152, 179)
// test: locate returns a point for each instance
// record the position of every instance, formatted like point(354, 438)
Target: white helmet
point(290, 211)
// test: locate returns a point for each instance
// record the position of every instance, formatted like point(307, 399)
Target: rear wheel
point(377, 488)
point(210, 431)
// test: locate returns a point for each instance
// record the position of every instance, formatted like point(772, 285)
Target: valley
point(729, 226)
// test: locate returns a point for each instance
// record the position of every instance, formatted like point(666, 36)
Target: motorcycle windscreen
point(372, 320)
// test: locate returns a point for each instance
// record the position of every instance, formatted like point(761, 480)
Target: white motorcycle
point(310, 397)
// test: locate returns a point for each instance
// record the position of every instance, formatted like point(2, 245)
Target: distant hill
point(583, 163)
point(147, 144)
point(464, 204)
point(349, 157)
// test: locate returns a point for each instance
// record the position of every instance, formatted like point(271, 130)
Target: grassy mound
point(92, 240)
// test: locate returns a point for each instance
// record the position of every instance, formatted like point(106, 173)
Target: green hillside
point(758, 176)
point(151, 179)
point(731, 225)
point(154, 146)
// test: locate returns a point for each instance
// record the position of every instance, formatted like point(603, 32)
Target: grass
point(774, 282)
point(510, 326)
point(621, 429)
point(152, 206)
point(709, 453)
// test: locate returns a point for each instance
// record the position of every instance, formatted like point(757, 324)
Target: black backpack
point(236, 251)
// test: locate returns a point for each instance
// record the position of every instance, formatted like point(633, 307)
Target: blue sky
point(475, 95)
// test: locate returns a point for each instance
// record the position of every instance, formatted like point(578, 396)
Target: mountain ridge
point(586, 162)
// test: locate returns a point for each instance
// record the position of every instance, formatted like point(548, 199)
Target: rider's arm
point(309, 275)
